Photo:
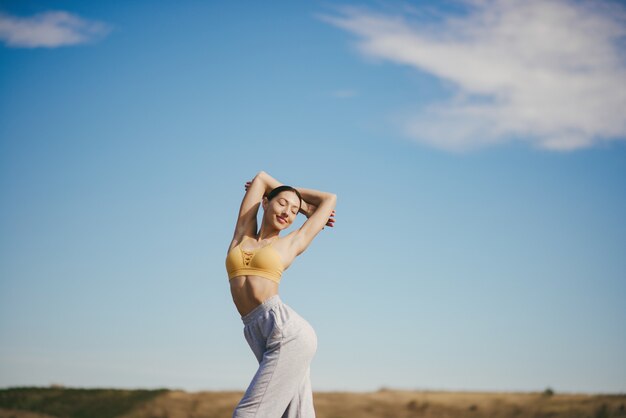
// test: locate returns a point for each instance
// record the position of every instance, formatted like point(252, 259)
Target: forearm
point(309, 196)
point(268, 182)
point(314, 197)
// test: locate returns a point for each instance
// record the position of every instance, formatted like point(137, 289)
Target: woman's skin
point(250, 291)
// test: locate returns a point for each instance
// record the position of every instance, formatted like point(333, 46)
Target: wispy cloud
point(549, 72)
point(50, 29)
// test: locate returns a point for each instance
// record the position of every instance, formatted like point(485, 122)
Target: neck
point(266, 233)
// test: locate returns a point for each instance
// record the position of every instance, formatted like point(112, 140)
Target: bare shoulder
point(286, 248)
point(286, 241)
point(237, 239)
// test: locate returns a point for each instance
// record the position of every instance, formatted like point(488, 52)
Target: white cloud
point(549, 72)
point(50, 29)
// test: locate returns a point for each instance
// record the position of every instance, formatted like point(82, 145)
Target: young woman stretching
point(282, 341)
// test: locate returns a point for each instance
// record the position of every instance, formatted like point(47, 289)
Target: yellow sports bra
point(264, 262)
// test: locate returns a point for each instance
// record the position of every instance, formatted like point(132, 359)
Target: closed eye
point(284, 202)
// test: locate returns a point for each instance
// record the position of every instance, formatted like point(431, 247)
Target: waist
point(249, 292)
point(265, 306)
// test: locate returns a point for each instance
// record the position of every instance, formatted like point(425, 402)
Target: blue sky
point(479, 163)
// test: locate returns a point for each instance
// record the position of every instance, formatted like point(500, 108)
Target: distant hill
point(59, 402)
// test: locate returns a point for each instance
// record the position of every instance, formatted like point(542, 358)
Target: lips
point(281, 220)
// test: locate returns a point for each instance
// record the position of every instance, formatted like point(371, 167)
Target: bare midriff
point(248, 292)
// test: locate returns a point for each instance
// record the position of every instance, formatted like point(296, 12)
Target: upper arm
point(316, 222)
point(246, 220)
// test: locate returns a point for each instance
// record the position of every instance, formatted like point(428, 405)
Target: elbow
point(260, 176)
point(332, 198)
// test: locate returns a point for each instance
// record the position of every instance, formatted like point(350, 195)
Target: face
point(282, 210)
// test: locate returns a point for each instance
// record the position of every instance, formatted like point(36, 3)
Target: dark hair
point(281, 189)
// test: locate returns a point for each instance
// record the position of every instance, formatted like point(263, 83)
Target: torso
point(248, 292)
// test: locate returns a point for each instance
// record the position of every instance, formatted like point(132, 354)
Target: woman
point(282, 341)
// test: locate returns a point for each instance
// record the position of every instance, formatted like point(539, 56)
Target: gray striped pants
point(284, 344)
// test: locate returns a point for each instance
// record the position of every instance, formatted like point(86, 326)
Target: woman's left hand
point(310, 210)
point(331, 219)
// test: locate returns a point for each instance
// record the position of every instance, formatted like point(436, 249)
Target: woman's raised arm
point(260, 185)
point(320, 209)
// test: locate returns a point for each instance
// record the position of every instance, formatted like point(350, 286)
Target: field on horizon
point(60, 402)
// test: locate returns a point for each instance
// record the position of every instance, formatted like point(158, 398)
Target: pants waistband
point(260, 310)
